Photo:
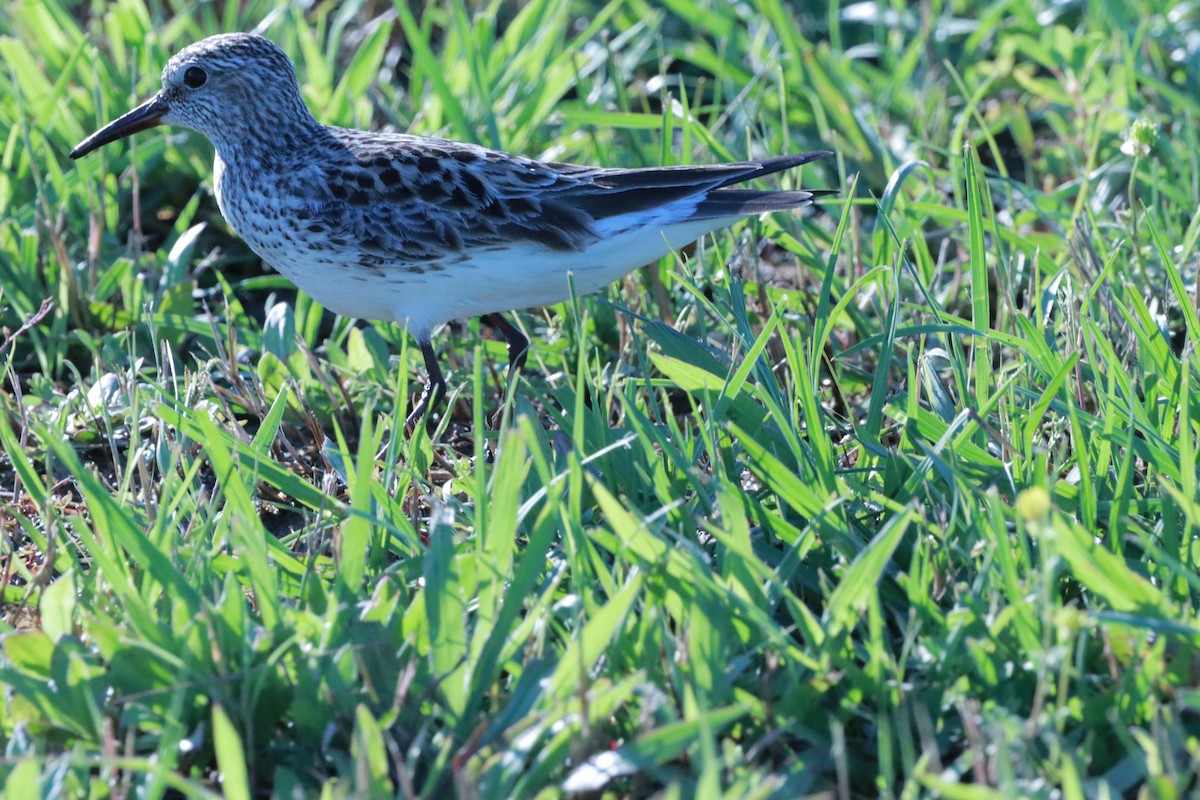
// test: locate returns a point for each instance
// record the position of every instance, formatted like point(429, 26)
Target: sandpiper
point(418, 230)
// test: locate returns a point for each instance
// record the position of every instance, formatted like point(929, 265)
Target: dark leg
point(518, 345)
point(434, 391)
point(518, 348)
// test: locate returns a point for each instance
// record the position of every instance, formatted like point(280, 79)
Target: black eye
point(194, 77)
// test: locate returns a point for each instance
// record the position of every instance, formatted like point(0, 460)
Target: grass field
point(898, 498)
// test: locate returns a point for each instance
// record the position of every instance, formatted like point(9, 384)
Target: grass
point(900, 500)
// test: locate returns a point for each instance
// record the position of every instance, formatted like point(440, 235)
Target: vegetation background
point(898, 499)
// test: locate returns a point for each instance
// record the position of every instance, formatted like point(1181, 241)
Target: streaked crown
point(235, 88)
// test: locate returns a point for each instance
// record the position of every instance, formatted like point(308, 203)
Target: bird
point(419, 230)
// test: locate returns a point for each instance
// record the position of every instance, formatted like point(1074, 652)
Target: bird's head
point(233, 88)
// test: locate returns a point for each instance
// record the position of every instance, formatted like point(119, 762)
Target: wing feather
point(406, 200)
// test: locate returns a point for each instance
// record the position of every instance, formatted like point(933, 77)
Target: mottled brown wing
point(411, 199)
point(406, 199)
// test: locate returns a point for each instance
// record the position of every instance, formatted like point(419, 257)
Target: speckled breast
point(275, 220)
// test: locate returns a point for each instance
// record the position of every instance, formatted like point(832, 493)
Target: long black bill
point(145, 116)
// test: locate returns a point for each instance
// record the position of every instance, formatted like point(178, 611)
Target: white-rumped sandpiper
point(389, 226)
